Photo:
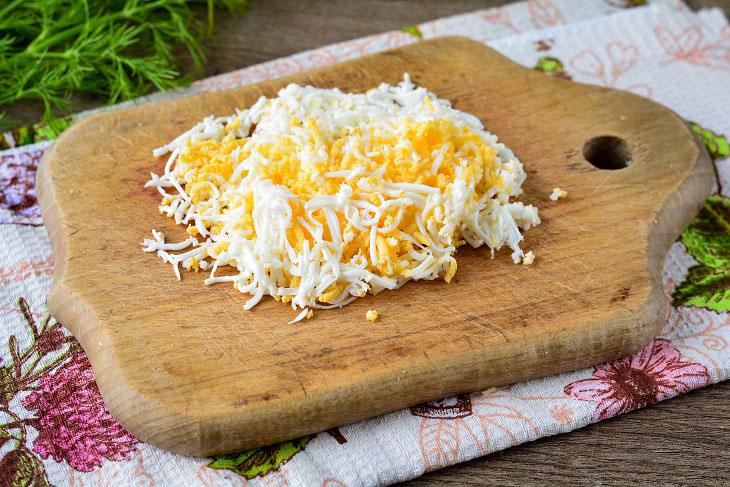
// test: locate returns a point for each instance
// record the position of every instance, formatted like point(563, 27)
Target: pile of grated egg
point(317, 197)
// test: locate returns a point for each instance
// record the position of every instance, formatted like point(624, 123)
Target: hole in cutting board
point(607, 152)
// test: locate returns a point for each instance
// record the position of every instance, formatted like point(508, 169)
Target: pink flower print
point(74, 424)
point(684, 45)
point(476, 419)
point(397, 39)
point(608, 68)
point(220, 82)
point(688, 46)
point(544, 13)
point(322, 57)
point(588, 64)
point(562, 413)
point(285, 67)
point(716, 55)
point(358, 47)
point(622, 57)
point(211, 477)
point(651, 375)
point(118, 475)
point(499, 16)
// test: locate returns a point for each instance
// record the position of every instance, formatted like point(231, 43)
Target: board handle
point(608, 152)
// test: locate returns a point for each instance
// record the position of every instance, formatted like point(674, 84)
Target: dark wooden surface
point(684, 441)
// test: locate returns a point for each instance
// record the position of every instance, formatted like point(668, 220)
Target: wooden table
point(665, 444)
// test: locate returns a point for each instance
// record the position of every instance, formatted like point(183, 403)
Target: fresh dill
point(117, 49)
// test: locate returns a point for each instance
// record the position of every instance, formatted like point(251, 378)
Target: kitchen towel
point(55, 429)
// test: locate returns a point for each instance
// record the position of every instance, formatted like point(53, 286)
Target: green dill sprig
point(118, 49)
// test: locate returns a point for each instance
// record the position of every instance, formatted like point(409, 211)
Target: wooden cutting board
point(183, 367)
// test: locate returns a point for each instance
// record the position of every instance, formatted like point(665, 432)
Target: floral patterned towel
point(55, 429)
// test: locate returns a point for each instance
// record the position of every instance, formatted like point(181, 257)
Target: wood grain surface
point(665, 444)
point(170, 357)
